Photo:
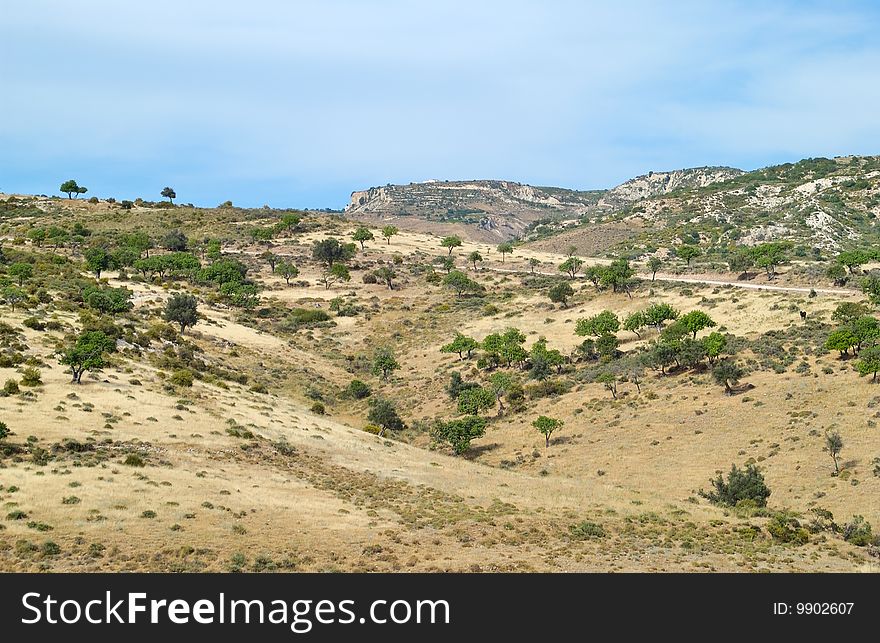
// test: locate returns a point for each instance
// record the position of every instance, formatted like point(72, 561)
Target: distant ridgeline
point(829, 204)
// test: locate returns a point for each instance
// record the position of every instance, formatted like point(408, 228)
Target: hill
point(490, 211)
point(317, 418)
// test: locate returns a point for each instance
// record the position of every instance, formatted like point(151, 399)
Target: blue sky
point(299, 103)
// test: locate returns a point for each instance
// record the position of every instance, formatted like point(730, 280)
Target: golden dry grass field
point(264, 463)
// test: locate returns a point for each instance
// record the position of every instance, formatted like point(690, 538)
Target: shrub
point(318, 408)
point(301, 317)
point(4, 430)
point(50, 549)
point(370, 278)
point(34, 323)
point(741, 484)
point(358, 390)
point(183, 377)
point(858, 532)
point(586, 530)
point(133, 460)
point(149, 513)
point(787, 529)
point(11, 387)
point(30, 377)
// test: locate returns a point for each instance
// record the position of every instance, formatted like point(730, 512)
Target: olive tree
point(547, 426)
point(182, 309)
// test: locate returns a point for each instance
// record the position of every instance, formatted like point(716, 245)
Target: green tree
point(741, 484)
point(715, 344)
point(770, 256)
point(176, 241)
point(500, 384)
point(618, 275)
point(654, 264)
point(461, 283)
point(384, 362)
point(695, 321)
point(505, 248)
point(849, 311)
point(287, 270)
point(13, 295)
point(87, 353)
point(559, 293)
point(447, 263)
point(657, 314)
point(213, 249)
point(336, 272)
point(594, 275)
point(451, 242)
point(21, 270)
point(688, 253)
point(727, 373)
point(362, 235)
point(383, 414)
point(607, 346)
point(853, 259)
point(98, 260)
point(609, 380)
point(138, 241)
point(841, 340)
point(473, 400)
point(571, 266)
point(869, 362)
point(871, 287)
point(388, 232)
point(386, 275)
point(834, 445)
point(37, 235)
point(741, 261)
point(70, 188)
point(182, 309)
point(604, 323)
point(547, 426)
point(169, 194)
point(635, 322)
point(533, 263)
point(461, 345)
point(459, 433)
point(330, 251)
point(474, 257)
point(270, 258)
point(290, 221)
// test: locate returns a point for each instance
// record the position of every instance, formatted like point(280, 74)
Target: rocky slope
point(483, 210)
point(659, 183)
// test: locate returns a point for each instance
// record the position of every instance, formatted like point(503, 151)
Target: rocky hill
point(483, 210)
point(659, 183)
point(820, 203)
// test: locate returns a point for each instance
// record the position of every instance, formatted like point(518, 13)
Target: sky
point(297, 104)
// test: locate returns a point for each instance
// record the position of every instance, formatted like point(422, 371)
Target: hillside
point(482, 210)
point(656, 184)
point(249, 441)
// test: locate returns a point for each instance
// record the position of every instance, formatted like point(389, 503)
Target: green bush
point(786, 529)
point(11, 387)
point(183, 377)
point(33, 323)
point(586, 530)
point(318, 408)
point(30, 377)
point(741, 484)
point(858, 532)
point(302, 317)
point(133, 460)
point(358, 390)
